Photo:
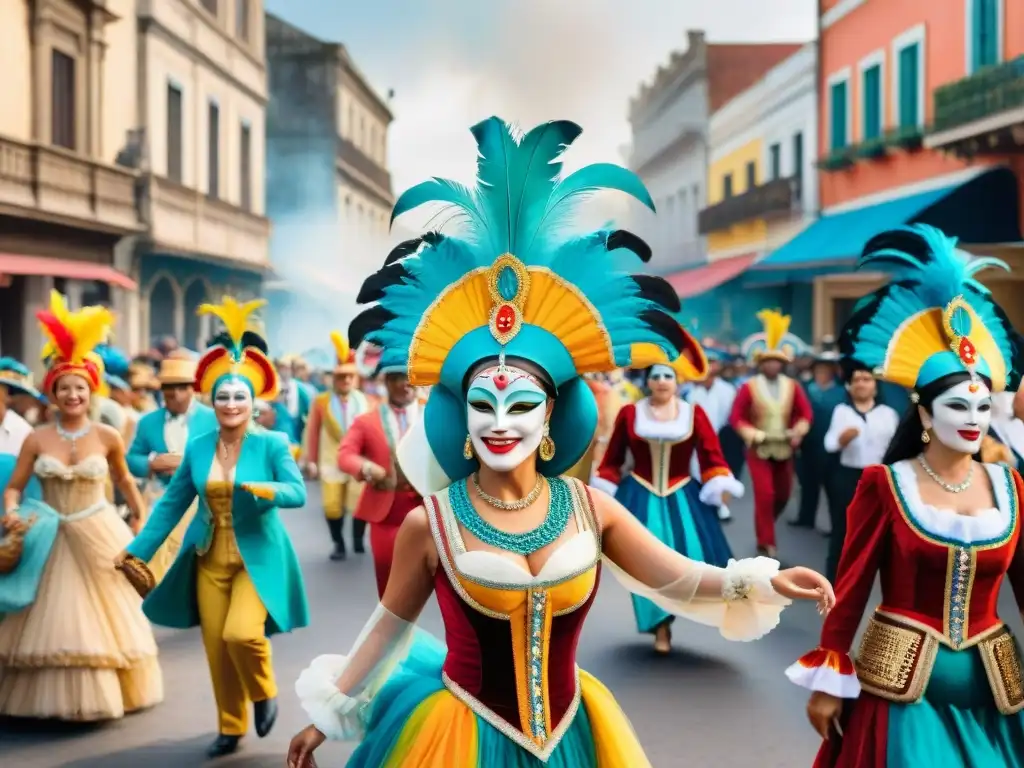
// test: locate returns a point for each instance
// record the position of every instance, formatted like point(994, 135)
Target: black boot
point(358, 533)
point(223, 745)
point(264, 713)
point(336, 537)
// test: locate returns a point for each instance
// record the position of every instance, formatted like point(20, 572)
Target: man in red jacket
point(367, 451)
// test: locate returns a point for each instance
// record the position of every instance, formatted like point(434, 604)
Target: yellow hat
point(176, 370)
point(691, 365)
point(236, 352)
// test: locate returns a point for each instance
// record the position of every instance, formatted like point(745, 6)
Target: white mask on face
point(506, 425)
point(233, 392)
point(661, 373)
point(961, 418)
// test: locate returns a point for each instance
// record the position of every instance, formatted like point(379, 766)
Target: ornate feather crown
point(934, 318)
point(72, 340)
point(775, 342)
point(238, 351)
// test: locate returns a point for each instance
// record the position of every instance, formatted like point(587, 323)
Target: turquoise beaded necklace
point(559, 510)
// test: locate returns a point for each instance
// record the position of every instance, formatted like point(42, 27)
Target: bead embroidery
point(559, 511)
point(537, 607)
point(959, 585)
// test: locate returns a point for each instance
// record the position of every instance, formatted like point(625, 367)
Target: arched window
point(196, 329)
point(162, 303)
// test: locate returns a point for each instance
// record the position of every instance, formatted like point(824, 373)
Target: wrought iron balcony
point(983, 113)
point(775, 198)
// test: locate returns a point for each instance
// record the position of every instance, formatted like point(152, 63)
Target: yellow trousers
point(339, 498)
point(232, 618)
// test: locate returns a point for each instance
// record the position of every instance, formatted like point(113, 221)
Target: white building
point(202, 95)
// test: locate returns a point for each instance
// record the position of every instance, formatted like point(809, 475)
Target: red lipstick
point(970, 435)
point(501, 444)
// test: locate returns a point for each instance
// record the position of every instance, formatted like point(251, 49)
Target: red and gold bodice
point(512, 636)
point(662, 451)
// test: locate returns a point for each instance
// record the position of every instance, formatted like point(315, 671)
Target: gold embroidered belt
point(774, 450)
point(897, 656)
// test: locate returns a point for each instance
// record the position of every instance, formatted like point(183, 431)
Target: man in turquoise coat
point(237, 575)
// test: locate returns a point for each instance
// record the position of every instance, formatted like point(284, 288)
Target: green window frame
point(909, 85)
point(984, 33)
point(871, 87)
point(838, 114)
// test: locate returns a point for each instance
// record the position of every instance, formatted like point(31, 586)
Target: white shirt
point(13, 431)
point(875, 431)
point(716, 401)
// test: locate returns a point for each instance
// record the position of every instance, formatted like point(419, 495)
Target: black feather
point(409, 247)
point(905, 240)
point(374, 286)
point(667, 327)
point(249, 339)
point(658, 290)
point(620, 238)
point(366, 322)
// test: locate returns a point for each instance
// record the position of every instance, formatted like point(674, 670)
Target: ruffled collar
point(649, 428)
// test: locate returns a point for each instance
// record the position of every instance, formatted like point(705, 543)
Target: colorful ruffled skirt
point(682, 522)
point(955, 725)
point(415, 722)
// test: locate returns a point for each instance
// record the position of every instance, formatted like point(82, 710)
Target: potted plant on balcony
point(837, 159)
point(906, 137)
point(872, 148)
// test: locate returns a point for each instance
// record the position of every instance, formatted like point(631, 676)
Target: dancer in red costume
point(368, 452)
point(772, 414)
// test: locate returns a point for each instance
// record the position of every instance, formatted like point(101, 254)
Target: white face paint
point(661, 373)
point(506, 423)
point(233, 396)
point(961, 418)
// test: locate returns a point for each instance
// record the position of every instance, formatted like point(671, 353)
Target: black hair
point(512, 361)
point(849, 366)
point(906, 443)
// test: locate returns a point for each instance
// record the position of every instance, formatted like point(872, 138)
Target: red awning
point(691, 282)
point(14, 264)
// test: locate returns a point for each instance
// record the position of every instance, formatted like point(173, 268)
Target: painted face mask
point(961, 418)
point(505, 414)
point(661, 373)
point(233, 393)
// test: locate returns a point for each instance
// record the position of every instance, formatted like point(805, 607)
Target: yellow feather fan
point(235, 316)
point(776, 326)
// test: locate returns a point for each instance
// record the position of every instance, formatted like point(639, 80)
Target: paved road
point(711, 704)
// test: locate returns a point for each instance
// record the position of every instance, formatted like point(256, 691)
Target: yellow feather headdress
point(775, 342)
point(690, 365)
point(345, 354)
point(72, 337)
point(239, 351)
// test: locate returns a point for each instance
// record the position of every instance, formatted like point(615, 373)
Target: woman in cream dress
point(79, 646)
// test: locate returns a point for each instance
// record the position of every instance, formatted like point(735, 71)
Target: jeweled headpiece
point(933, 318)
point(775, 342)
point(516, 283)
point(72, 340)
point(239, 351)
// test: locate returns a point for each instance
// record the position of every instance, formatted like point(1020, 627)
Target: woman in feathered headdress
point(75, 644)
point(938, 675)
point(663, 434)
point(237, 575)
point(502, 325)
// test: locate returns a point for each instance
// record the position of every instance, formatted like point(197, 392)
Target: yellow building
point(732, 175)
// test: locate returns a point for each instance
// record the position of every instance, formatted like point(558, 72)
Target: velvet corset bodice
point(512, 636)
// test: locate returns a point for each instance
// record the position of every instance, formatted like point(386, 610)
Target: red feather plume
point(62, 338)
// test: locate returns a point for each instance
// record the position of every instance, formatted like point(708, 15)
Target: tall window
point(242, 20)
point(213, 151)
point(727, 186)
point(174, 133)
point(751, 175)
point(62, 100)
point(775, 158)
point(908, 84)
point(838, 96)
point(872, 108)
point(798, 155)
point(210, 5)
point(245, 159)
point(360, 138)
point(984, 33)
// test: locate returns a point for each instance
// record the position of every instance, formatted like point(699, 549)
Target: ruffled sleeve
point(829, 668)
point(609, 474)
point(337, 692)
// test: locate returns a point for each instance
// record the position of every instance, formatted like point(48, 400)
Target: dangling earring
point(925, 437)
point(467, 449)
point(547, 445)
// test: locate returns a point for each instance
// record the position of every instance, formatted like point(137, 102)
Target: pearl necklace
point(509, 506)
point(73, 437)
point(958, 488)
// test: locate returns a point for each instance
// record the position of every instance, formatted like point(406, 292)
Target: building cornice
point(355, 75)
point(682, 66)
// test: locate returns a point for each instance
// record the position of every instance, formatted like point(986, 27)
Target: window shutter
point(909, 81)
point(872, 99)
point(838, 94)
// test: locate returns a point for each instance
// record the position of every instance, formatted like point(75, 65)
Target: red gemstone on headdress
point(501, 380)
point(968, 354)
point(505, 318)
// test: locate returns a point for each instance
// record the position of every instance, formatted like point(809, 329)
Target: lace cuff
point(711, 492)
point(827, 671)
point(337, 691)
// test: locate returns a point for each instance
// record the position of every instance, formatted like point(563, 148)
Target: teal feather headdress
point(514, 282)
point(933, 318)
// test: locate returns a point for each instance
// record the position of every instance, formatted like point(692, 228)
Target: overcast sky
point(454, 62)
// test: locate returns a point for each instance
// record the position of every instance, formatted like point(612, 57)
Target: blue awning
point(983, 209)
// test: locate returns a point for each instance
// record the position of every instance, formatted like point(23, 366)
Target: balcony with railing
point(775, 198)
point(376, 177)
point(55, 184)
point(982, 113)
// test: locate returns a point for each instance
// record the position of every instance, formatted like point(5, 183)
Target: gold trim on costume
point(775, 447)
point(1001, 658)
point(895, 660)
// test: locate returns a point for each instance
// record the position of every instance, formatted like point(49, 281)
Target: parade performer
point(22, 396)
point(716, 396)
point(236, 576)
point(330, 418)
point(662, 433)
point(159, 445)
point(608, 406)
point(368, 451)
point(75, 644)
point(814, 463)
point(504, 325)
point(937, 680)
point(772, 415)
point(295, 398)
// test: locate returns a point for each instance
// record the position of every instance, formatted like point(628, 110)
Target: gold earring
point(925, 437)
point(467, 449)
point(547, 445)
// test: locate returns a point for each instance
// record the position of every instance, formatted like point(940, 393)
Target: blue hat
point(17, 377)
point(115, 361)
point(933, 318)
point(517, 286)
point(116, 382)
